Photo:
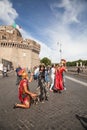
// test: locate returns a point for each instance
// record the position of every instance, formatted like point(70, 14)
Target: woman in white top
point(52, 77)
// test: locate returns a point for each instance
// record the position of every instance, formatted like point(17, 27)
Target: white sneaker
point(64, 88)
point(51, 90)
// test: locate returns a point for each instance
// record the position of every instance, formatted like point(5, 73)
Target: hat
point(63, 61)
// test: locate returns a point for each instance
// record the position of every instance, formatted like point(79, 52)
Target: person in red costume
point(58, 85)
point(25, 96)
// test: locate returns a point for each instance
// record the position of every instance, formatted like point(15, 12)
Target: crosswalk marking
point(75, 80)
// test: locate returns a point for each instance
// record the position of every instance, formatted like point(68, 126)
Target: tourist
point(47, 78)
point(78, 69)
point(1, 68)
point(42, 84)
point(36, 73)
point(5, 71)
point(63, 67)
point(52, 77)
point(18, 76)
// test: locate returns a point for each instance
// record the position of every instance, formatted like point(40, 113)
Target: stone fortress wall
point(17, 50)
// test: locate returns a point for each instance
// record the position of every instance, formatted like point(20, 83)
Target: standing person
point(5, 71)
point(36, 73)
point(18, 76)
point(25, 96)
point(59, 78)
point(47, 78)
point(52, 77)
point(63, 67)
point(42, 84)
point(1, 68)
point(78, 69)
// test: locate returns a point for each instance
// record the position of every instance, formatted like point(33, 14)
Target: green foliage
point(46, 61)
point(73, 63)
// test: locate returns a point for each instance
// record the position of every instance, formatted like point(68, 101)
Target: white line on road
point(75, 80)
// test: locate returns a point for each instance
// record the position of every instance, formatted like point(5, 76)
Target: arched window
point(3, 37)
point(4, 44)
point(13, 45)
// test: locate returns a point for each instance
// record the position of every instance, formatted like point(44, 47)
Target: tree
point(73, 63)
point(46, 61)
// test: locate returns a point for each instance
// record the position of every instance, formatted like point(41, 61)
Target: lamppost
point(60, 50)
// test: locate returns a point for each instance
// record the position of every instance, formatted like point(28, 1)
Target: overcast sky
point(54, 24)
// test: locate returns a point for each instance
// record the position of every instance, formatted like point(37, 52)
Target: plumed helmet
point(21, 71)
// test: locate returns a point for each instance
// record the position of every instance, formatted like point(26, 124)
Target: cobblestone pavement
point(58, 113)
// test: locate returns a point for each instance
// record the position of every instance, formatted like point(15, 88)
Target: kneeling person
point(25, 96)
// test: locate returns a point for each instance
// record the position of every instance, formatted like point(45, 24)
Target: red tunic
point(22, 95)
point(59, 79)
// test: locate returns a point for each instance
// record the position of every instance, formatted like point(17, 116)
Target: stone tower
point(15, 49)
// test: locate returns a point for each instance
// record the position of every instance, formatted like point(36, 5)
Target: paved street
point(58, 113)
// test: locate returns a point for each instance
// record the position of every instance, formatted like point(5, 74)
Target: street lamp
point(60, 50)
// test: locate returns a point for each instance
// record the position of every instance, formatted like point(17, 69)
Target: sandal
point(15, 106)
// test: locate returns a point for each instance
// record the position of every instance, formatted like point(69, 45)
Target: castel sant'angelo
point(16, 50)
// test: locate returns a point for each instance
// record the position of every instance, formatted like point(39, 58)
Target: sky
point(59, 26)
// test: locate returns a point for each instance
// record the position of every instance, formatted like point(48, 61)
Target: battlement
point(11, 37)
point(16, 49)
